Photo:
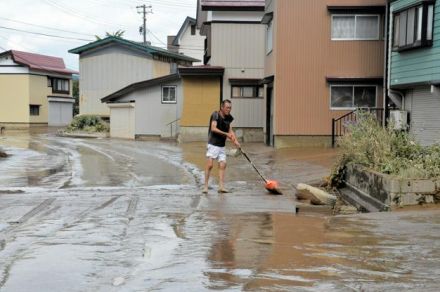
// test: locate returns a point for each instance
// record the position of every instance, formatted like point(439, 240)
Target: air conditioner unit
point(399, 119)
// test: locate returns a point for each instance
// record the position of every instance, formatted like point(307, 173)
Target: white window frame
point(269, 37)
point(353, 86)
point(355, 22)
point(175, 94)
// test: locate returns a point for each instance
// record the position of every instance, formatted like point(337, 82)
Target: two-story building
point(34, 90)
point(323, 59)
point(413, 74)
point(188, 41)
point(235, 41)
point(112, 63)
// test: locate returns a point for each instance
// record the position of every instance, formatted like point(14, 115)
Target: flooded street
point(116, 215)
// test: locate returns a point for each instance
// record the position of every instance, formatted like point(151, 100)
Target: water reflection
point(306, 253)
point(239, 248)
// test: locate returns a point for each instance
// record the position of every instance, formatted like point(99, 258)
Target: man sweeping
point(219, 129)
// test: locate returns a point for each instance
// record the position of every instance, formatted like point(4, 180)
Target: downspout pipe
point(386, 57)
point(392, 94)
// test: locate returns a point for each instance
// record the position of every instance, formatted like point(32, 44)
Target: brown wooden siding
point(305, 55)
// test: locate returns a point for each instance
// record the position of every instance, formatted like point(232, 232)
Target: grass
point(385, 150)
point(88, 123)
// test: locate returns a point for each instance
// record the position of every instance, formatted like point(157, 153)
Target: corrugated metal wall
point(424, 108)
point(306, 55)
point(240, 49)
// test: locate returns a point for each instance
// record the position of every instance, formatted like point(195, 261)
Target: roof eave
point(146, 49)
point(185, 24)
point(232, 8)
point(138, 85)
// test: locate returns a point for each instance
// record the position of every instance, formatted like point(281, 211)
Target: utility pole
point(143, 29)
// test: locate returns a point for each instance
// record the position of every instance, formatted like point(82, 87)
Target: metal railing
point(176, 127)
point(341, 125)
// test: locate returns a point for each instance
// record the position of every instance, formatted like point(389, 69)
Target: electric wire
point(46, 27)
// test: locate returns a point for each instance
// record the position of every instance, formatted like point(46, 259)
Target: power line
point(14, 43)
point(44, 34)
point(156, 37)
point(72, 12)
point(46, 27)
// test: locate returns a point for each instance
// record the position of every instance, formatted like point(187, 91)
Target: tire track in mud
point(171, 156)
point(26, 217)
point(18, 253)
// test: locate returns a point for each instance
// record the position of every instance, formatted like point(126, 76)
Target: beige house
point(110, 64)
point(235, 40)
point(324, 58)
point(34, 90)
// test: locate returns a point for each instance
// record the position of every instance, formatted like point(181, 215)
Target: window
point(169, 94)
point(352, 96)
point(247, 91)
point(60, 85)
point(173, 68)
point(355, 27)
point(193, 29)
point(413, 27)
point(269, 38)
point(34, 110)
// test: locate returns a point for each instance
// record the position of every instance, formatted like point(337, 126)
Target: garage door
point(60, 113)
point(122, 123)
point(425, 118)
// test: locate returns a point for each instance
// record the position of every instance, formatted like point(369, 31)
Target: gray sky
point(82, 19)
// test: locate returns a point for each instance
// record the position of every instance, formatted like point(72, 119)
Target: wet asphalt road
point(115, 215)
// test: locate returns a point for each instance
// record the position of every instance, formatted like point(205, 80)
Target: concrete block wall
point(391, 190)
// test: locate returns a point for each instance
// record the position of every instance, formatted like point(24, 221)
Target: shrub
point(88, 123)
point(385, 150)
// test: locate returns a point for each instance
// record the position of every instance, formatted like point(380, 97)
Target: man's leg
point(208, 168)
point(221, 174)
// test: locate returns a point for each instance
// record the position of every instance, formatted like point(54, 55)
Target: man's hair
point(225, 101)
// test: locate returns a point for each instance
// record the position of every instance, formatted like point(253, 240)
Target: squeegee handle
point(256, 169)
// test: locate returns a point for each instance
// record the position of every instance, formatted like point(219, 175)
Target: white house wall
point(107, 70)
point(8, 66)
point(240, 48)
point(151, 115)
point(192, 45)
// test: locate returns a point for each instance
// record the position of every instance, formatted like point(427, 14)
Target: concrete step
point(362, 201)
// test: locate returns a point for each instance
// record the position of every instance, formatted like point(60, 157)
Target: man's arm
point(214, 129)
point(233, 137)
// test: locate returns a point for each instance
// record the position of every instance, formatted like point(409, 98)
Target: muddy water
point(281, 252)
point(129, 216)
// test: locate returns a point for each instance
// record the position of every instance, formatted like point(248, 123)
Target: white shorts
point(216, 152)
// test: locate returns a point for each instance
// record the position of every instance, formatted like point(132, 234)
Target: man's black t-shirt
point(223, 124)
